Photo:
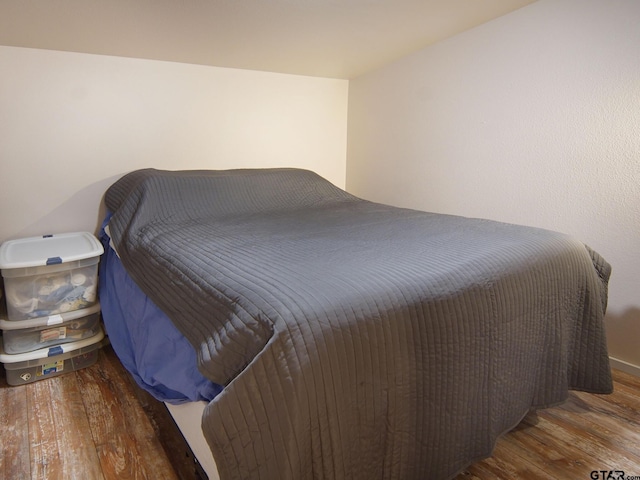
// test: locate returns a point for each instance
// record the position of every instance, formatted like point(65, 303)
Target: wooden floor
point(587, 433)
point(96, 424)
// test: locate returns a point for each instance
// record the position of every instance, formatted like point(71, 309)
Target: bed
point(329, 337)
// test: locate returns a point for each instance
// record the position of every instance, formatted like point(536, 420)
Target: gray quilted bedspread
point(357, 340)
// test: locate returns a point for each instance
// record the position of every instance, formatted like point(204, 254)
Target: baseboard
point(625, 366)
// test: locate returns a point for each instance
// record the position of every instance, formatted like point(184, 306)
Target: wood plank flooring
point(96, 424)
point(587, 433)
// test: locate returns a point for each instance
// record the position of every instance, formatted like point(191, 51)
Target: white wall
point(533, 118)
point(70, 124)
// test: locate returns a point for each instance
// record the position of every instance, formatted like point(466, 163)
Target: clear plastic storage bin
point(50, 275)
point(26, 335)
point(50, 362)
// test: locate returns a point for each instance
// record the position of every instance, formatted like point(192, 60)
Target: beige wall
point(533, 118)
point(70, 124)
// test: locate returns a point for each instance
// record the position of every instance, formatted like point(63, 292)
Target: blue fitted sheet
point(158, 356)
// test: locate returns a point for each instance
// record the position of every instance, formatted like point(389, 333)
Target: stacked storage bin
point(52, 320)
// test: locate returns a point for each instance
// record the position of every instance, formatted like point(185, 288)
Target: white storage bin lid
point(49, 250)
point(50, 351)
